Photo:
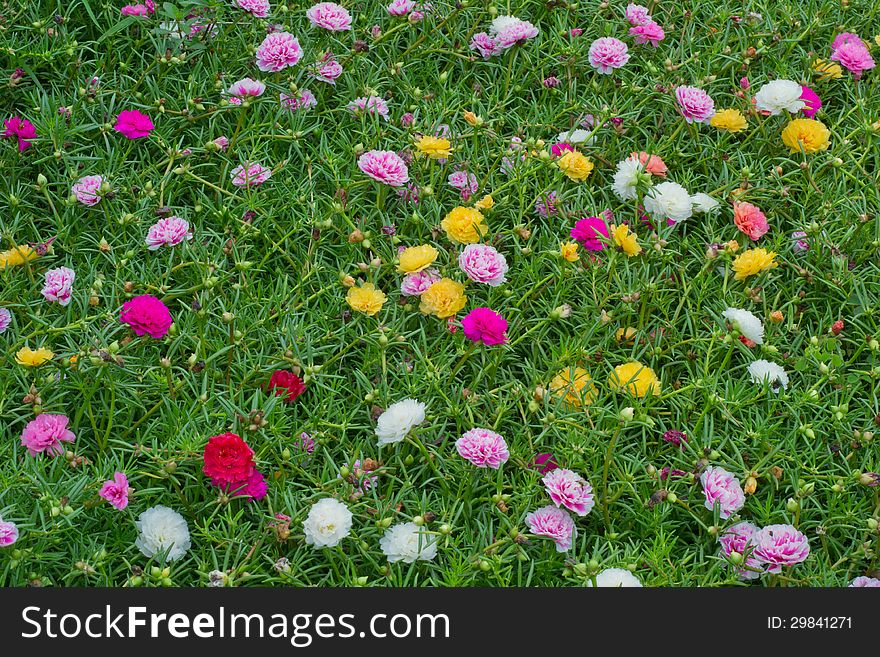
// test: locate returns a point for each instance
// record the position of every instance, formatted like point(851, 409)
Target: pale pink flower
point(8, 533)
point(88, 190)
point(485, 45)
point(483, 447)
point(637, 15)
point(545, 205)
point(386, 167)
point(607, 54)
point(259, 8)
point(858, 582)
point(723, 488)
point(400, 7)
point(5, 319)
point(59, 285)
point(553, 523)
point(327, 69)
point(169, 231)
point(369, 105)
point(695, 104)
point(250, 174)
point(45, 433)
point(305, 100)
point(780, 545)
point(330, 16)
point(515, 33)
point(116, 491)
point(413, 285)
point(246, 87)
point(221, 143)
point(483, 264)
point(855, 57)
point(647, 33)
point(464, 182)
point(738, 538)
point(416, 16)
point(278, 51)
point(567, 488)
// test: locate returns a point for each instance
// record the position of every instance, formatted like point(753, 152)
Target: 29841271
point(809, 623)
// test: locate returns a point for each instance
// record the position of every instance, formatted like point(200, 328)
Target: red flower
point(228, 460)
point(286, 383)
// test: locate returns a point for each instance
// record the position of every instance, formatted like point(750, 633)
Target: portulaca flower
point(162, 530)
point(669, 200)
point(576, 136)
point(398, 420)
point(704, 203)
point(616, 578)
point(779, 96)
point(328, 522)
point(746, 323)
point(501, 23)
point(626, 179)
point(406, 542)
point(763, 370)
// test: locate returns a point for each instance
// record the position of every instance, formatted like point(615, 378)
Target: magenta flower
point(413, 285)
point(844, 38)
point(116, 491)
point(139, 9)
point(780, 545)
point(385, 167)
point(133, 124)
point(8, 533)
point(722, 488)
point(568, 489)
point(400, 7)
point(588, 232)
point(858, 582)
point(278, 51)
point(607, 54)
point(369, 105)
point(695, 104)
point(169, 231)
point(304, 101)
point(259, 8)
point(330, 16)
point(812, 102)
point(21, 129)
point(45, 433)
point(250, 174)
point(327, 69)
point(637, 15)
point(146, 315)
point(88, 190)
point(545, 463)
point(553, 523)
point(739, 539)
point(485, 45)
point(483, 264)
point(255, 487)
point(486, 326)
point(5, 319)
point(483, 447)
point(854, 56)
point(59, 285)
point(676, 437)
point(560, 147)
point(648, 33)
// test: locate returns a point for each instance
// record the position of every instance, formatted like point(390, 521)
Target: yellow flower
point(809, 134)
point(569, 251)
point(635, 378)
point(473, 119)
point(17, 255)
point(436, 148)
point(485, 203)
point(366, 299)
point(731, 120)
point(754, 261)
point(575, 165)
point(417, 258)
point(625, 240)
point(464, 225)
point(732, 246)
point(825, 70)
point(575, 386)
point(443, 299)
point(627, 334)
point(30, 358)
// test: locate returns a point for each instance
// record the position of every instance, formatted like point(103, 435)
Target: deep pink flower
point(647, 33)
point(567, 488)
point(780, 545)
point(486, 326)
point(386, 167)
point(545, 463)
point(88, 190)
point(485, 45)
point(327, 69)
point(255, 487)
point(5, 319)
point(483, 264)
point(259, 8)
point(250, 174)
point(812, 102)
point(21, 129)
point(139, 9)
point(134, 124)
point(744, 83)
point(330, 16)
point(844, 38)
point(116, 491)
point(45, 433)
point(169, 231)
point(855, 57)
point(553, 523)
point(739, 539)
point(8, 533)
point(677, 438)
point(607, 54)
point(722, 487)
point(59, 285)
point(483, 447)
point(588, 231)
point(637, 14)
point(559, 148)
point(278, 51)
point(146, 315)
point(695, 104)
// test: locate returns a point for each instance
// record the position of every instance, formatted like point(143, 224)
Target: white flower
point(576, 136)
point(162, 530)
point(626, 178)
point(779, 95)
point(398, 420)
point(746, 323)
point(669, 200)
point(502, 23)
point(616, 578)
point(406, 542)
point(763, 370)
point(328, 522)
point(704, 203)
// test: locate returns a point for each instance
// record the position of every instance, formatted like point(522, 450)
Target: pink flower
point(858, 582)
point(653, 164)
point(8, 533)
point(738, 538)
point(812, 102)
point(369, 105)
point(800, 244)
point(483, 264)
point(255, 487)
point(327, 69)
point(855, 57)
point(59, 285)
point(250, 174)
point(515, 33)
point(567, 488)
point(486, 326)
point(545, 206)
point(464, 182)
point(116, 491)
point(485, 45)
point(560, 147)
point(648, 33)
point(483, 448)
point(22, 129)
point(221, 143)
point(695, 104)
point(278, 51)
point(330, 16)
point(259, 8)
point(844, 38)
point(306, 100)
point(545, 463)
point(134, 124)
point(588, 230)
point(677, 438)
point(780, 545)
point(146, 315)
point(750, 220)
point(88, 190)
point(553, 523)
point(400, 7)
point(139, 9)
point(607, 54)
point(744, 83)
point(5, 319)
point(386, 167)
point(169, 231)
point(722, 488)
point(246, 87)
point(415, 284)
point(45, 433)
point(551, 82)
point(637, 15)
